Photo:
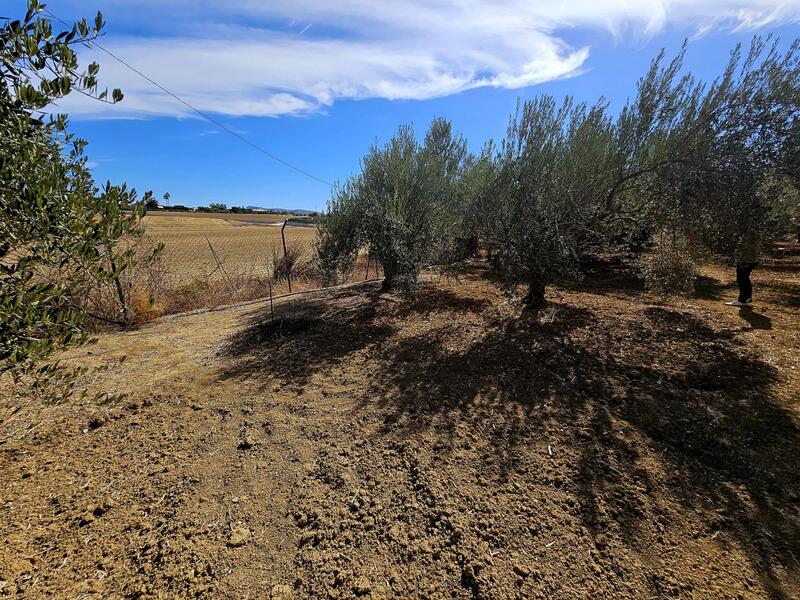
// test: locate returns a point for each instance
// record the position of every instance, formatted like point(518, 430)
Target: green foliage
point(340, 234)
point(214, 207)
point(442, 160)
point(58, 233)
point(393, 206)
point(702, 162)
point(712, 161)
point(471, 213)
point(552, 170)
point(743, 171)
point(411, 204)
point(683, 160)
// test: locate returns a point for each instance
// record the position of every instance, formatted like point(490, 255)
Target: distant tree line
point(219, 207)
point(685, 168)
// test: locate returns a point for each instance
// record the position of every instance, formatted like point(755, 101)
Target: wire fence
point(202, 267)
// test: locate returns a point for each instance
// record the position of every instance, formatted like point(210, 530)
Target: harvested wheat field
point(448, 446)
point(166, 218)
point(196, 245)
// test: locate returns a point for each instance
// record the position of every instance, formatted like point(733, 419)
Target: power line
point(207, 117)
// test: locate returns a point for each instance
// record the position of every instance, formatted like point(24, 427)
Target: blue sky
point(316, 82)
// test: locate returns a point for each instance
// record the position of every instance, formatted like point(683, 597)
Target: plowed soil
point(453, 445)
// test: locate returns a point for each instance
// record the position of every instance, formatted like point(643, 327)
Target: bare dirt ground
point(451, 446)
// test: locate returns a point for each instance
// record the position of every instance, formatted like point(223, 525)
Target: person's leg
point(749, 281)
point(740, 281)
point(743, 279)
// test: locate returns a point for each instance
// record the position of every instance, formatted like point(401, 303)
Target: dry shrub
point(104, 308)
point(295, 264)
point(129, 300)
point(201, 292)
point(672, 265)
point(360, 268)
point(152, 289)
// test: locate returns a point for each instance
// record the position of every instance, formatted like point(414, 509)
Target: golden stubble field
point(243, 244)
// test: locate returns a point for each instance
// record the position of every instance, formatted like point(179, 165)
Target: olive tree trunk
point(535, 297)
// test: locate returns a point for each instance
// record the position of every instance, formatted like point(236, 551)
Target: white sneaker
point(735, 303)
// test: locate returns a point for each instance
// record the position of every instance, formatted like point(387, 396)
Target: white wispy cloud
point(245, 57)
point(92, 164)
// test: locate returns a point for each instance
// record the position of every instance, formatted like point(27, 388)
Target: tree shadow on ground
point(783, 293)
point(431, 299)
point(307, 334)
point(694, 393)
point(316, 333)
point(604, 274)
point(694, 398)
point(709, 288)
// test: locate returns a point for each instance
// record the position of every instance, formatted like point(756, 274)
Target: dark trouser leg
point(743, 281)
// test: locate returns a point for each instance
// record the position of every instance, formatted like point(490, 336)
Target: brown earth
point(450, 446)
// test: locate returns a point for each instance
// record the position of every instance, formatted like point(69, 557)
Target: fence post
point(285, 256)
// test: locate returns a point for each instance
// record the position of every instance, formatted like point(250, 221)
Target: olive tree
point(404, 206)
point(705, 162)
point(551, 169)
point(340, 233)
point(465, 218)
point(57, 229)
point(443, 157)
point(685, 166)
point(745, 174)
point(395, 214)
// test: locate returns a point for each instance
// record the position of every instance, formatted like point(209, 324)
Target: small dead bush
point(293, 265)
point(672, 265)
point(131, 298)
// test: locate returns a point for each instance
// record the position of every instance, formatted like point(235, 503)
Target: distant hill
point(294, 211)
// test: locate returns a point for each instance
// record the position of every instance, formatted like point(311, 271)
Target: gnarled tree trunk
point(535, 297)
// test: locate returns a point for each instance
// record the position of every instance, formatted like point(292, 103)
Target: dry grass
point(188, 254)
point(170, 219)
point(213, 259)
point(242, 247)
